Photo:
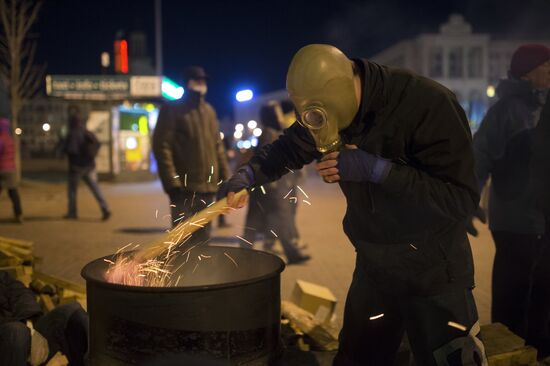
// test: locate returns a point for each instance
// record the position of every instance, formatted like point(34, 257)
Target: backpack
point(91, 145)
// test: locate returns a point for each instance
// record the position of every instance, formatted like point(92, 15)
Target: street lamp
point(239, 127)
point(18, 131)
point(252, 124)
point(46, 127)
point(257, 132)
point(244, 95)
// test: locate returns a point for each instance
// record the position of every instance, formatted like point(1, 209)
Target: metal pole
point(158, 37)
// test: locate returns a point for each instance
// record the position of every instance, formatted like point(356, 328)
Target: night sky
point(250, 43)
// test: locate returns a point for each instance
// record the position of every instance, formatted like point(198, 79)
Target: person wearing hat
point(189, 151)
point(399, 146)
point(502, 150)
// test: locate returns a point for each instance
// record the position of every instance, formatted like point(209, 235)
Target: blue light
point(170, 90)
point(244, 95)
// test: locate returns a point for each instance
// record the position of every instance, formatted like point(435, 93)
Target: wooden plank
point(58, 282)
point(47, 302)
point(324, 337)
point(24, 244)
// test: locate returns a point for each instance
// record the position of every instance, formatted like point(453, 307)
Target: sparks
point(288, 194)
point(124, 247)
point(246, 241)
point(293, 199)
point(172, 205)
point(273, 232)
point(176, 176)
point(194, 269)
point(290, 170)
point(211, 169)
point(263, 189)
point(376, 317)
point(301, 190)
point(231, 259)
point(412, 246)
point(457, 326)
point(307, 202)
point(220, 182)
point(209, 178)
point(185, 179)
point(203, 201)
point(108, 261)
point(156, 214)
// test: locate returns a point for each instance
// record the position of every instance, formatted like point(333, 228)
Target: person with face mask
point(503, 150)
point(189, 151)
point(399, 145)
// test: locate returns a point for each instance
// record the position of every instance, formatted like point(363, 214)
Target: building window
point(436, 62)
point(475, 63)
point(455, 63)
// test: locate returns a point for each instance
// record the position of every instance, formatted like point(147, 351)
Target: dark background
point(250, 43)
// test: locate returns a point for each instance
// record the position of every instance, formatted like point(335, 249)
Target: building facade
point(470, 64)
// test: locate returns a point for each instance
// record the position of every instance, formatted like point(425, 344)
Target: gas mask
point(321, 84)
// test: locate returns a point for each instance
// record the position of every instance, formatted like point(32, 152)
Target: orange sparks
point(231, 259)
point(246, 241)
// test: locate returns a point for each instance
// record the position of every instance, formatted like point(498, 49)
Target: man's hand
point(242, 179)
point(480, 214)
point(328, 167)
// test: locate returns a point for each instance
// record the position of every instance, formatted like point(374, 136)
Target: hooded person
point(399, 146)
point(8, 175)
point(503, 151)
point(267, 212)
point(81, 147)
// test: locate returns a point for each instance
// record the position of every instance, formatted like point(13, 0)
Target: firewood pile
point(17, 258)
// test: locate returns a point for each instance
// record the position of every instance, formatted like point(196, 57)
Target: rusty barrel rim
point(88, 273)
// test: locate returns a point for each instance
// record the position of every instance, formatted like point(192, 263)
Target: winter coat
point(7, 148)
point(502, 148)
point(410, 229)
point(17, 302)
point(187, 146)
point(540, 163)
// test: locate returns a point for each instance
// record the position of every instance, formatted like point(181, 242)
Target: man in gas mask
point(399, 146)
point(189, 152)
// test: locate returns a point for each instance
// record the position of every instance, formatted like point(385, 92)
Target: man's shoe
point(106, 215)
point(70, 217)
point(298, 260)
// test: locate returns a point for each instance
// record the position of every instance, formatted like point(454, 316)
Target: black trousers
point(15, 201)
point(521, 286)
point(370, 338)
point(184, 204)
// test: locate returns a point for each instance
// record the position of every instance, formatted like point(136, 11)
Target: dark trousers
point(15, 344)
point(65, 328)
point(366, 339)
point(184, 204)
point(269, 213)
point(89, 176)
point(521, 286)
point(15, 201)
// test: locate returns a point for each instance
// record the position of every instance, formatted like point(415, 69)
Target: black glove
point(480, 214)
point(242, 179)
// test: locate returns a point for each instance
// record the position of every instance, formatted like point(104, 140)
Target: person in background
point(29, 337)
point(81, 147)
point(189, 152)
point(502, 150)
point(540, 294)
point(271, 210)
point(8, 174)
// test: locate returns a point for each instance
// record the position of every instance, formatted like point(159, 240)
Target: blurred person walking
point(189, 152)
point(8, 175)
point(270, 211)
point(81, 147)
point(503, 150)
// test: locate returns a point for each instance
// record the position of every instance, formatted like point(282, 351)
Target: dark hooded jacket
point(410, 229)
point(540, 163)
point(17, 302)
point(502, 148)
point(81, 146)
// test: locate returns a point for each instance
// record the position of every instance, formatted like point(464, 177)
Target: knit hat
point(527, 58)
